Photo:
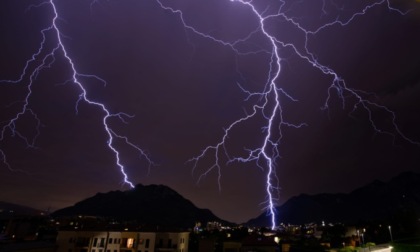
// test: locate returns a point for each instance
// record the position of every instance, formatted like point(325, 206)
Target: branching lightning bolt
point(42, 59)
point(269, 104)
point(270, 98)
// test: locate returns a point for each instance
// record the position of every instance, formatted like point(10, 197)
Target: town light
point(390, 233)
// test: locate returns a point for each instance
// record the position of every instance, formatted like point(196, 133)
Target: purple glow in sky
point(264, 100)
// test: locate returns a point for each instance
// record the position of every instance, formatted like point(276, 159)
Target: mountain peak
point(149, 205)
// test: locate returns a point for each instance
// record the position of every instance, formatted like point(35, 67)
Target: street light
point(390, 233)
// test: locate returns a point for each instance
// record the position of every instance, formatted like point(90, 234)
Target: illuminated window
point(130, 242)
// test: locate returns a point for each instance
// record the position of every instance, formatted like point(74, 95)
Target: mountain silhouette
point(152, 205)
point(375, 201)
point(8, 210)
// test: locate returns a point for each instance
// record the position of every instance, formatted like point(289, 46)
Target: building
point(258, 243)
point(121, 241)
point(232, 246)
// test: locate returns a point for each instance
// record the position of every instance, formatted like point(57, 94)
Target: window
point(95, 241)
point(147, 243)
point(124, 242)
point(110, 240)
point(102, 243)
point(130, 242)
point(169, 243)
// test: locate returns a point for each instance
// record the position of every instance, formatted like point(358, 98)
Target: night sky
point(184, 90)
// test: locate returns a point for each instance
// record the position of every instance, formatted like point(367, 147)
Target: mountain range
point(159, 205)
point(397, 198)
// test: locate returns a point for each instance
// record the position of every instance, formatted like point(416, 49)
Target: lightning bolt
point(268, 104)
point(43, 59)
point(270, 98)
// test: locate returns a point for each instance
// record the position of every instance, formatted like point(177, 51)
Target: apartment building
point(121, 241)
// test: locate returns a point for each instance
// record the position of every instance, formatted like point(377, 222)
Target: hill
point(152, 205)
point(398, 198)
point(7, 210)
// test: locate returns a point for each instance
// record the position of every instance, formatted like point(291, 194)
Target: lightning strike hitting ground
point(42, 60)
point(270, 97)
